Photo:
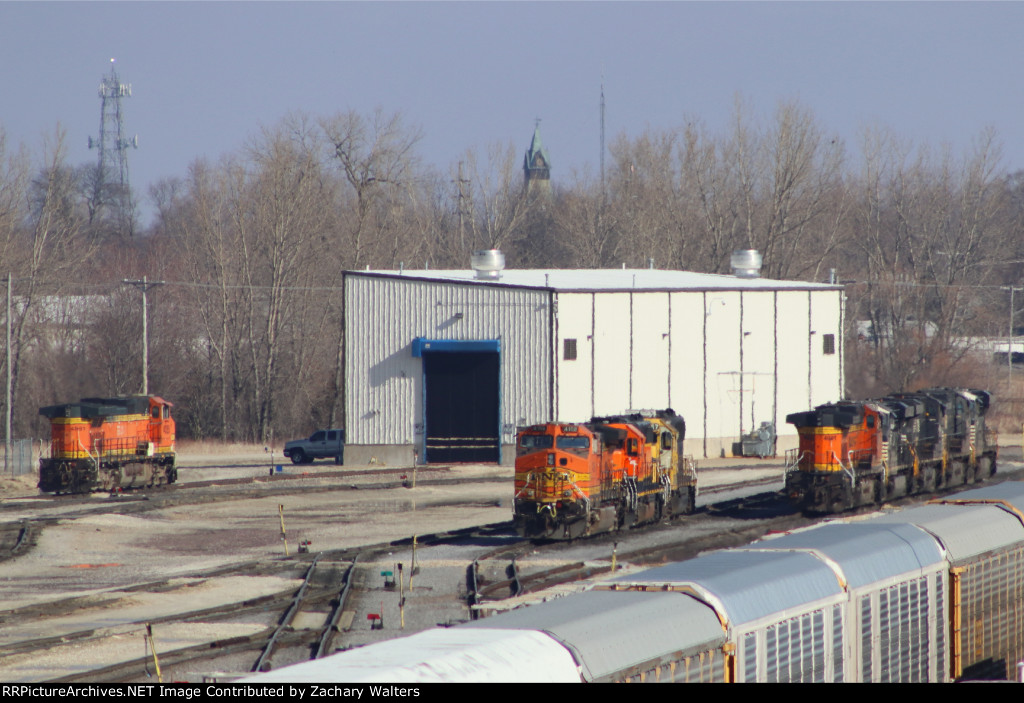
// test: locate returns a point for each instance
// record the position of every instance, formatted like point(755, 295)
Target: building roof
point(587, 280)
point(536, 149)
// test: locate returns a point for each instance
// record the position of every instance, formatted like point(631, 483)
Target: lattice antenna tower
point(602, 131)
point(112, 182)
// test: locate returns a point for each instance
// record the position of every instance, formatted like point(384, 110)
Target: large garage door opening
point(462, 405)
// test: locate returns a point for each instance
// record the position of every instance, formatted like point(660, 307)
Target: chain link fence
point(19, 461)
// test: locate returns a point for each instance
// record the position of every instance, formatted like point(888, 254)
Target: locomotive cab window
point(156, 412)
point(536, 441)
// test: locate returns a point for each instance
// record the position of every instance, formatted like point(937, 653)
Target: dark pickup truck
point(322, 444)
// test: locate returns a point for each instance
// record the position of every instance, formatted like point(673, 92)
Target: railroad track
point(501, 568)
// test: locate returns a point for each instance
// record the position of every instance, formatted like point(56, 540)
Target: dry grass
point(216, 448)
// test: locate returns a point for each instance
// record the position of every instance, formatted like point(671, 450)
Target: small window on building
point(570, 350)
point(828, 343)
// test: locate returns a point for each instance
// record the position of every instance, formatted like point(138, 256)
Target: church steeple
point(536, 164)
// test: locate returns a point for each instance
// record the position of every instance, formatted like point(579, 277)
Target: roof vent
point(488, 264)
point(746, 263)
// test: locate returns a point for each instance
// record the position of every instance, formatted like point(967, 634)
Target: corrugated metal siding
point(986, 550)
point(798, 649)
point(992, 635)
point(384, 403)
point(900, 625)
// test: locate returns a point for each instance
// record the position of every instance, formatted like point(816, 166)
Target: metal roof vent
point(488, 264)
point(746, 263)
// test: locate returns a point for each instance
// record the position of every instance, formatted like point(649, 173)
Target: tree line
point(245, 332)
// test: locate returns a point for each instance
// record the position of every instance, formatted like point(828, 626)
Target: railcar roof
point(1010, 491)
point(749, 584)
point(610, 631)
point(442, 655)
point(866, 552)
point(966, 531)
point(569, 280)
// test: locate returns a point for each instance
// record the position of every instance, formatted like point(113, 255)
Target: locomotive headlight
point(551, 459)
point(566, 494)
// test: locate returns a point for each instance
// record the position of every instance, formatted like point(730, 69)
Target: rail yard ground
point(108, 565)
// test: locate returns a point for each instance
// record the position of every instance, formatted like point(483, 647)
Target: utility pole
point(144, 285)
point(10, 394)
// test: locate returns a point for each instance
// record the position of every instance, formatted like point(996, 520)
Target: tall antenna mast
point(112, 185)
point(602, 131)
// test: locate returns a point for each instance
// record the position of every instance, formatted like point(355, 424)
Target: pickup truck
point(320, 445)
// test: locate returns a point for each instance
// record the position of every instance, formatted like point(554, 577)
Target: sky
point(207, 76)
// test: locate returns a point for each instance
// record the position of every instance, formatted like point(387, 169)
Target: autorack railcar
point(930, 594)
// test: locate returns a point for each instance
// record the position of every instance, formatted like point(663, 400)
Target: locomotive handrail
point(565, 477)
point(579, 491)
point(849, 471)
point(797, 458)
point(526, 484)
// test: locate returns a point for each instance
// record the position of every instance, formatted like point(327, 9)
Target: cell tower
point(112, 186)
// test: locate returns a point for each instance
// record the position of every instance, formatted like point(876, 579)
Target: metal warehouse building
point(443, 366)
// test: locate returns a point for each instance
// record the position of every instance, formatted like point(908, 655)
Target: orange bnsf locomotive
point(868, 452)
point(107, 444)
point(608, 474)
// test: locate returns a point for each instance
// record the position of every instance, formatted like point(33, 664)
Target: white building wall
point(794, 392)
point(611, 353)
point(826, 368)
point(758, 352)
point(722, 377)
point(384, 381)
point(650, 364)
point(687, 366)
point(574, 377)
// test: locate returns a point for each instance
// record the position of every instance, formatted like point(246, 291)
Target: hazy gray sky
point(206, 76)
